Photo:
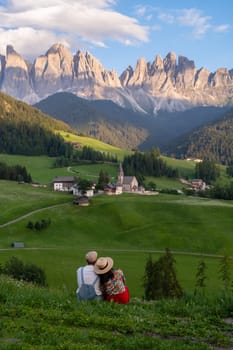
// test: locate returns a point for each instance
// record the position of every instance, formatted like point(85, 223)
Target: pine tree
point(224, 271)
point(160, 280)
point(200, 277)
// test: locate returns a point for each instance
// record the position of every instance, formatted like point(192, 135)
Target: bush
point(38, 225)
point(15, 268)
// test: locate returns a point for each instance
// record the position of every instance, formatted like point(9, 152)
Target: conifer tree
point(200, 277)
point(224, 271)
point(160, 280)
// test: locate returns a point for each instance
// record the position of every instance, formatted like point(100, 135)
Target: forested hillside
point(211, 142)
point(102, 120)
point(123, 127)
point(25, 130)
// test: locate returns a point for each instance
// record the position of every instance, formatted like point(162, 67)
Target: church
point(128, 183)
point(124, 184)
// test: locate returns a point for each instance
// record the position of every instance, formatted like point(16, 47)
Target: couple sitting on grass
point(98, 280)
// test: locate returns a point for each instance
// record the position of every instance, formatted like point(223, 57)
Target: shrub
point(15, 268)
point(38, 225)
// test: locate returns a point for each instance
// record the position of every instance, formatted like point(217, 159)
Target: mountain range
point(168, 84)
point(155, 104)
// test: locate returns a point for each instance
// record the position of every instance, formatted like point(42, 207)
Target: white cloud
point(166, 17)
point(222, 28)
point(29, 42)
point(193, 18)
point(24, 23)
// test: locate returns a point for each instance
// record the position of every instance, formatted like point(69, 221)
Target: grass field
point(41, 170)
point(126, 227)
point(35, 318)
point(95, 144)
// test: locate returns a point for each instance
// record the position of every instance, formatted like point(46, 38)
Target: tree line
point(86, 153)
point(29, 139)
point(14, 173)
point(147, 164)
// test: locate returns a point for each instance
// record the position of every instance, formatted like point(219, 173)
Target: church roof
point(128, 179)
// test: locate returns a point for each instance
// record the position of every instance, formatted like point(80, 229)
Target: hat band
point(104, 267)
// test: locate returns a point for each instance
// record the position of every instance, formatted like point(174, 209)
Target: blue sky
point(118, 32)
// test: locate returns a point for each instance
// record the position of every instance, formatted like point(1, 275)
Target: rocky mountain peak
point(126, 76)
point(11, 51)
point(170, 62)
point(60, 50)
point(184, 64)
point(150, 86)
point(140, 73)
point(158, 62)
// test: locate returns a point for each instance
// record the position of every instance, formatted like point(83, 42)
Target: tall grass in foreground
point(33, 318)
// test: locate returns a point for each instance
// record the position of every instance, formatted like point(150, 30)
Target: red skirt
point(121, 298)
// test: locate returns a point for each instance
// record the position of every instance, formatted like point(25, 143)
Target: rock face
point(170, 83)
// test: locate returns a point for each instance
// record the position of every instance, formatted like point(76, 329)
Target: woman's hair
point(106, 276)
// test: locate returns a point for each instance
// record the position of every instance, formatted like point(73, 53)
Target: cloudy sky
point(118, 32)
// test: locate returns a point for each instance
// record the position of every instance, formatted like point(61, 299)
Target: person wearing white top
point(89, 275)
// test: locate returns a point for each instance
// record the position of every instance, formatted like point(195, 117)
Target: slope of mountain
point(26, 130)
point(119, 126)
point(213, 141)
point(164, 84)
point(103, 120)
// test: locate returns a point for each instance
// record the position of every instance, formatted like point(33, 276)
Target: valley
point(116, 136)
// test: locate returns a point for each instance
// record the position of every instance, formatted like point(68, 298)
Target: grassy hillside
point(41, 168)
point(33, 318)
point(127, 227)
point(95, 144)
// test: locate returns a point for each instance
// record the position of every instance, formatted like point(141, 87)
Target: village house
point(77, 191)
point(82, 201)
point(197, 160)
point(63, 183)
point(113, 189)
point(198, 185)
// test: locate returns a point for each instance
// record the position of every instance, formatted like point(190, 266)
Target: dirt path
point(31, 213)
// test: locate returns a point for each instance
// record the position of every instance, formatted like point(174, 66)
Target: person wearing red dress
point(112, 282)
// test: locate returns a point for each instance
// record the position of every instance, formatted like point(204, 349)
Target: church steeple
point(120, 174)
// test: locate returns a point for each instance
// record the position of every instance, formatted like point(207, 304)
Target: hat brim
point(107, 268)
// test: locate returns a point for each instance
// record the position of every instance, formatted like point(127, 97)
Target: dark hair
point(106, 276)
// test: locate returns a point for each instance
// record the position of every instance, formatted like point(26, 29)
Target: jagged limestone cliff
point(170, 83)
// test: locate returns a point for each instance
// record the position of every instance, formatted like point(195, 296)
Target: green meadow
point(128, 227)
point(42, 170)
point(95, 144)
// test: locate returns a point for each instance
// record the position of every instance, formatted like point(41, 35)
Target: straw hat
point(91, 257)
point(103, 265)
